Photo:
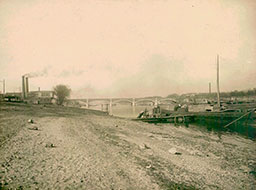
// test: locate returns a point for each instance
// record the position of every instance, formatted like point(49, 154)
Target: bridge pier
point(110, 106)
point(156, 102)
point(87, 103)
point(133, 102)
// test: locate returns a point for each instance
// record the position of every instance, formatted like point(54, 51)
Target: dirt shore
point(71, 148)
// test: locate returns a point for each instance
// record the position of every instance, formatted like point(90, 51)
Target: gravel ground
point(71, 148)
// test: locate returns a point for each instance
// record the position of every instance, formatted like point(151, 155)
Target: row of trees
point(235, 93)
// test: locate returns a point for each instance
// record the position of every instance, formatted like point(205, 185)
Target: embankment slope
point(83, 149)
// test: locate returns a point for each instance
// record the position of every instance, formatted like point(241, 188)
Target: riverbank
point(83, 149)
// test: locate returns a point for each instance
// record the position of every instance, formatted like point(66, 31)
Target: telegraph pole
point(3, 86)
point(3, 81)
point(218, 82)
point(210, 88)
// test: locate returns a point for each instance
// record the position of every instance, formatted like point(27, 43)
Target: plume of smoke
point(42, 73)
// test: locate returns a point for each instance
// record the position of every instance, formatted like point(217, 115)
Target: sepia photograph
point(127, 94)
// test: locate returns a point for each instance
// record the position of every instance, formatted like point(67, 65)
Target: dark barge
point(220, 117)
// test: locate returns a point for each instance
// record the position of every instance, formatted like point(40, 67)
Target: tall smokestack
point(23, 87)
point(27, 87)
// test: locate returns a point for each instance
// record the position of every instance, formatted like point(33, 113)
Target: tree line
point(235, 93)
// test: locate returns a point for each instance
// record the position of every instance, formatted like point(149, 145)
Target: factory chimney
point(23, 87)
point(27, 87)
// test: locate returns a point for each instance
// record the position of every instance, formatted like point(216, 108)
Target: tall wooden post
point(218, 82)
point(210, 88)
point(3, 86)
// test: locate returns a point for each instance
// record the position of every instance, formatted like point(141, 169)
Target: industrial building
point(35, 97)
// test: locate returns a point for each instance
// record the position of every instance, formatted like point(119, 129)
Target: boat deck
point(180, 117)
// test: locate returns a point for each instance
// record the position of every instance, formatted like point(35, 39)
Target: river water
point(120, 110)
point(246, 129)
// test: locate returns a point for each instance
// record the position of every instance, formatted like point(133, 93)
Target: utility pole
point(218, 82)
point(4, 86)
point(210, 90)
point(3, 81)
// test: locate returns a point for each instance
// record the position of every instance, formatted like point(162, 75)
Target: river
point(246, 129)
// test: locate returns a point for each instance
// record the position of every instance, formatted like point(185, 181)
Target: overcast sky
point(115, 48)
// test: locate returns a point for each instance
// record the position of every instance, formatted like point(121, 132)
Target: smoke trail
point(42, 73)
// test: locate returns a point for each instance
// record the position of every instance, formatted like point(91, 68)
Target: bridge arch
point(107, 101)
point(122, 100)
point(82, 102)
point(144, 100)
